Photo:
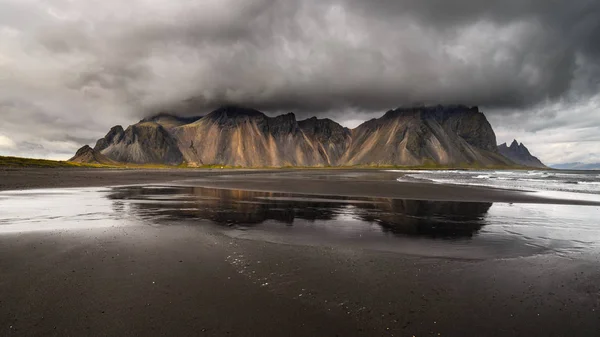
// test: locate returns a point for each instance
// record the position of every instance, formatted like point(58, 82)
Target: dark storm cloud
point(330, 55)
point(378, 54)
point(95, 64)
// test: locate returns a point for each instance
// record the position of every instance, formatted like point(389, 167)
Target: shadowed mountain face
point(142, 143)
point(519, 154)
point(451, 135)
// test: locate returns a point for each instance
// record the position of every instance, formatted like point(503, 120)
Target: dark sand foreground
point(176, 279)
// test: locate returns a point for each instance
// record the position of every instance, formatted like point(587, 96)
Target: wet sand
point(178, 279)
point(367, 183)
point(32, 178)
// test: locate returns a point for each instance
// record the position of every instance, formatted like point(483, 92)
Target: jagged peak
point(315, 119)
point(520, 154)
point(116, 129)
point(314, 124)
point(308, 122)
point(83, 150)
point(289, 115)
point(87, 154)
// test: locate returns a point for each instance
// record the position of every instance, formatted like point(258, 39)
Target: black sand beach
point(368, 183)
point(193, 278)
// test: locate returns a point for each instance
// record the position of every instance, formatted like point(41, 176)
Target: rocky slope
point(520, 155)
point(454, 135)
point(451, 135)
point(249, 138)
point(89, 156)
point(142, 143)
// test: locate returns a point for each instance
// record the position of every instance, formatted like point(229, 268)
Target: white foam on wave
point(519, 180)
point(505, 172)
point(539, 180)
point(407, 178)
point(432, 171)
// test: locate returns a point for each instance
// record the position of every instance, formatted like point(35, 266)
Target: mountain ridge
point(454, 135)
point(519, 153)
point(577, 166)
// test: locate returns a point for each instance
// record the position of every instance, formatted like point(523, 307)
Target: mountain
point(440, 135)
point(453, 135)
point(142, 143)
point(89, 156)
point(519, 154)
point(577, 166)
point(246, 137)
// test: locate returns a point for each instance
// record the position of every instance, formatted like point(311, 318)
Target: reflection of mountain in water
point(247, 208)
point(432, 218)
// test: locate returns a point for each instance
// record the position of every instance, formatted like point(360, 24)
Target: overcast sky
point(71, 69)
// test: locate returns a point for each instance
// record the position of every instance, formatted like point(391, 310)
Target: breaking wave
point(518, 180)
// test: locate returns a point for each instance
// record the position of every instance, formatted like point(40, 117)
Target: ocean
point(582, 185)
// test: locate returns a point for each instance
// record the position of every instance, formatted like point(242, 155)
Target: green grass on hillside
point(31, 162)
point(41, 163)
point(18, 162)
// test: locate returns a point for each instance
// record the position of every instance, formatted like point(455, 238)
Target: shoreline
point(413, 191)
point(351, 183)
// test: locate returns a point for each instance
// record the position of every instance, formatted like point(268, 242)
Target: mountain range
point(454, 135)
point(577, 166)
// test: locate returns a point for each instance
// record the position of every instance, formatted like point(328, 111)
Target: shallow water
point(428, 228)
point(561, 183)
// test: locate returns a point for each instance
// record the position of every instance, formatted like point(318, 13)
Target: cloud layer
point(71, 69)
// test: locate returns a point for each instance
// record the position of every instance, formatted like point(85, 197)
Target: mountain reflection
point(435, 219)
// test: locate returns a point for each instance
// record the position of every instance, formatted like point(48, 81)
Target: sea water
point(583, 185)
point(473, 230)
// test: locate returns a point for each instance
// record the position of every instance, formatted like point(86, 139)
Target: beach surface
point(112, 263)
point(368, 183)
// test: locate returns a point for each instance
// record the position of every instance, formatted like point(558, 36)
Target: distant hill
point(234, 136)
point(519, 154)
point(576, 166)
